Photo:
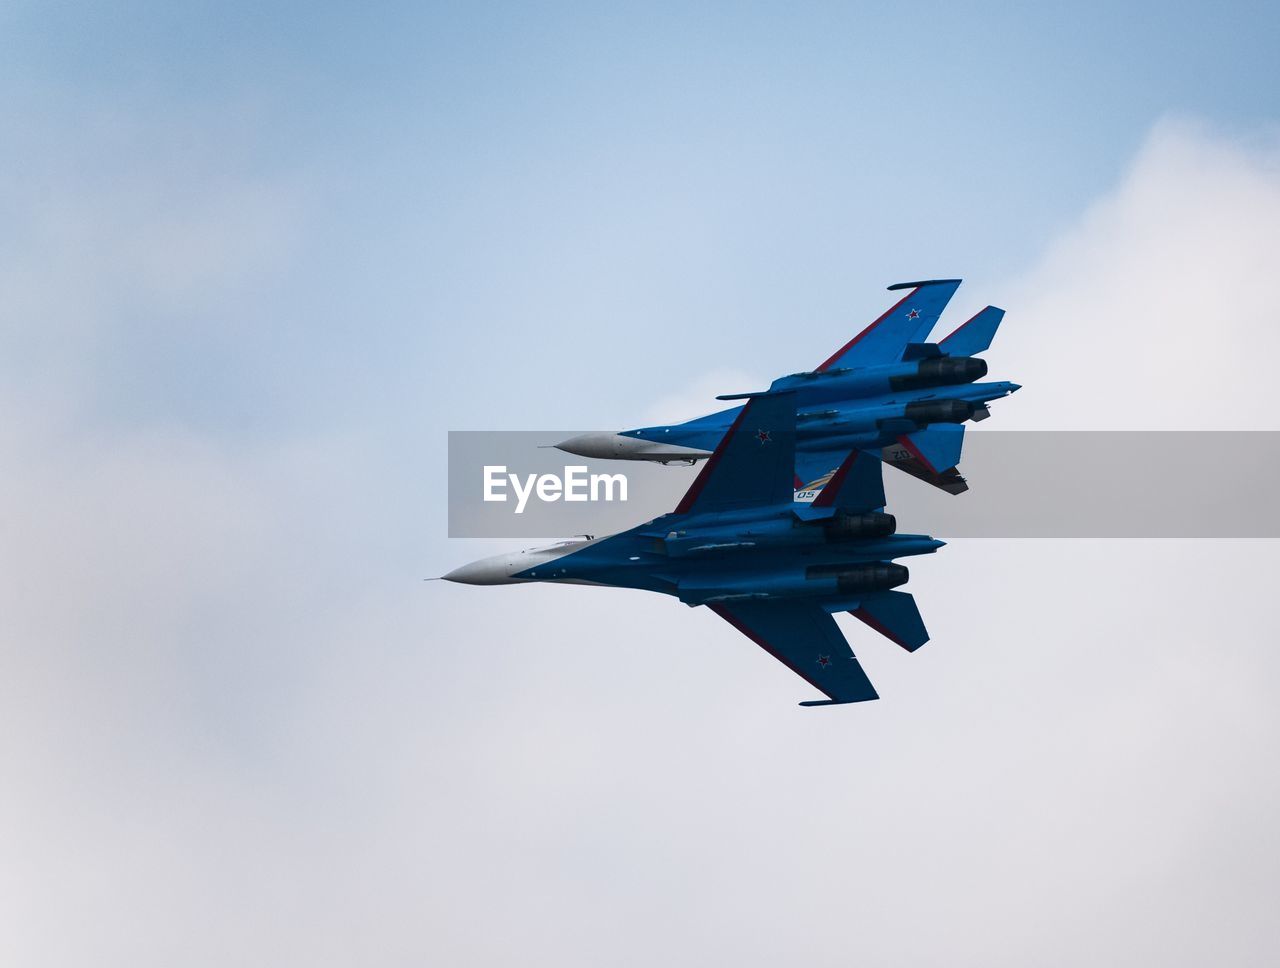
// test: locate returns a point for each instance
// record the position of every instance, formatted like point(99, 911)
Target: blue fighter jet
point(773, 568)
point(886, 390)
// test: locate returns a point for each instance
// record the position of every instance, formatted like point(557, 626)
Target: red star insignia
point(914, 314)
point(763, 437)
point(824, 660)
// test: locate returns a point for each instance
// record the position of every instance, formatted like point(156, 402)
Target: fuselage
point(769, 553)
point(864, 408)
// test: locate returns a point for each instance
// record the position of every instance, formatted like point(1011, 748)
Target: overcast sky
point(256, 262)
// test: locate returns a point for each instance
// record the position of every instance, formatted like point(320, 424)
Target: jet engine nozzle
point(924, 412)
point(872, 578)
point(941, 371)
point(847, 525)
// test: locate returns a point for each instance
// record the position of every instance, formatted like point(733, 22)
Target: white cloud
point(126, 233)
point(1155, 310)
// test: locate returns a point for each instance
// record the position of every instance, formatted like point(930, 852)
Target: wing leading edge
point(907, 321)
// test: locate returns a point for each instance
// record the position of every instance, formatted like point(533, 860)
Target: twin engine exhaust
point(846, 525)
point(877, 577)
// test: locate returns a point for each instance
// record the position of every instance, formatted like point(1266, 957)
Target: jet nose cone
point(1014, 387)
point(621, 447)
point(486, 571)
point(585, 445)
point(598, 445)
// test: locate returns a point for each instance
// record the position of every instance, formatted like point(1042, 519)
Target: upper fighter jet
point(886, 390)
point(773, 568)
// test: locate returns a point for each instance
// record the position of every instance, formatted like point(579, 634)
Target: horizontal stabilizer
point(895, 616)
point(974, 336)
point(931, 455)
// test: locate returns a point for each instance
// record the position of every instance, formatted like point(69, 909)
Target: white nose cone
point(501, 569)
point(604, 446)
point(489, 571)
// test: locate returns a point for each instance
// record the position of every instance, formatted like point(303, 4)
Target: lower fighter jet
point(885, 390)
point(773, 568)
